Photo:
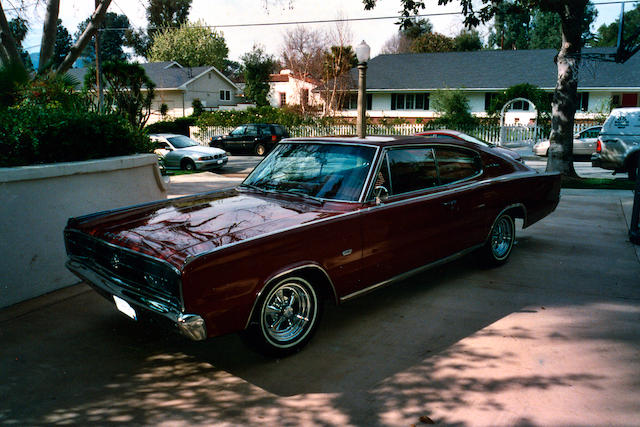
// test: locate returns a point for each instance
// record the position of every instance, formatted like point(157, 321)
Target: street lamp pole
point(362, 53)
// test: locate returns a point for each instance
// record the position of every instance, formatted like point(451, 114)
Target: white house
point(401, 86)
point(286, 88)
point(177, 87)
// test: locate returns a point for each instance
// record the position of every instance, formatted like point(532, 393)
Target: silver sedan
point(584, 143)
point(181, 152)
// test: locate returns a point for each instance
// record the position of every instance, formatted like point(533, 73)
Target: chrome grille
point(135, 272)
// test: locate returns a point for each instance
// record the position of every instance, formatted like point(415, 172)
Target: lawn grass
point(177, 172)
point(598, 183)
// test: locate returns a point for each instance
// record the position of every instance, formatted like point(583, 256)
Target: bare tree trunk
point(565, 96)
point(49, 30)
point(78, 47)
point(10, 52)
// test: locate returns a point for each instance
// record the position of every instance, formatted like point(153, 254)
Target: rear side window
point(456, 165)
point(411, 169)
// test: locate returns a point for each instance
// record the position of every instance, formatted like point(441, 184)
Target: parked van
point(618, 145)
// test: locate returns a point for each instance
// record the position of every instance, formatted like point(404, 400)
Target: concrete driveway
point(551, 339)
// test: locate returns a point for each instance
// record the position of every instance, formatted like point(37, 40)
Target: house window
point(225, 95)
point(488, 99)
point(583, 101)
point(283, 99)
point(350, 102)
point(409, 101)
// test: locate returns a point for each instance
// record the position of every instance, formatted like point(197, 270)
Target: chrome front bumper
point(190, 325)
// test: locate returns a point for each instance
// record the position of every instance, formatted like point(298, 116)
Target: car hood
point(177, 229)
point(209, 151)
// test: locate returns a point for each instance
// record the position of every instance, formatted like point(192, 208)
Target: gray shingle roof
point(492, 69)
point(161, 73)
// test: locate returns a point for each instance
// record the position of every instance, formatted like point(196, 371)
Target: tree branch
point(88, 33)
point(49, 28)
point(9, 47)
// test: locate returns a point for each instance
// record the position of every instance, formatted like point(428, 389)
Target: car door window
point(252, 131)
point(457, 164)
point(161, 145)
point(410, 169)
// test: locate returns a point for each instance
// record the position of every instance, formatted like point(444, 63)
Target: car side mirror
point(381, 193)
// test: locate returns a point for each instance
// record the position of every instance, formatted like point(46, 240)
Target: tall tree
point(161, 14)
point(112, 38)
point(257, 67)
point(19, 29)
point(191, 45)
point(129, 91)
point(401, 41)
point(572, 15)
point(608, 34)
point(433, 42)
point(62, 46)
point(9, 51)
point(303, 53)
point(467, 40)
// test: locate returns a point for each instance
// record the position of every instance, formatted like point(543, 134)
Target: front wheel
point(286, 318)
point(188, 165)
point(498, 247)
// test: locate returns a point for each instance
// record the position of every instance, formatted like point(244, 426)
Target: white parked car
point(584, 143)
point(181, 152)
point(618, 146)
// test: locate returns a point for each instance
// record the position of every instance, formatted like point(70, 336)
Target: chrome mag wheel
point(288, 316)
point(502, 237)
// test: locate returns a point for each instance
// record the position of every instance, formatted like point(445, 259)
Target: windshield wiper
point(301, 192)
point(253, 187)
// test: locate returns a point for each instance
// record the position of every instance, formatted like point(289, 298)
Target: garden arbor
point(505, 108)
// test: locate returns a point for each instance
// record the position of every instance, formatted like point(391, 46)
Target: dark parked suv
point(258, 138)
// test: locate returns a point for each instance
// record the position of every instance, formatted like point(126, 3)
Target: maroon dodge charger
point(319, 219)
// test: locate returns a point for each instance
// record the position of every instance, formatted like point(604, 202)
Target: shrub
point(33, 135)
point(179, 125)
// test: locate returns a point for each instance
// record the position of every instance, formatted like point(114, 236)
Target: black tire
point(286, 317)
point(498, 246)
point(188, 165)
point(260, 149)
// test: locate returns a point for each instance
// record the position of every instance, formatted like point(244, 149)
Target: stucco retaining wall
point(36, 201)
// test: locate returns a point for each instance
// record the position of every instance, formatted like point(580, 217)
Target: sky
point(241, 39)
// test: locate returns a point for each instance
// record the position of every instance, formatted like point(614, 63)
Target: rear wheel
point(498, 247)
point(260, 149)
point(286, 317)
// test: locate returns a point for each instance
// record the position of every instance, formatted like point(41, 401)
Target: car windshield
point(181, 141)
point(318, 170)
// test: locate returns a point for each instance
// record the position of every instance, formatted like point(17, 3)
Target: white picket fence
point(508, 135)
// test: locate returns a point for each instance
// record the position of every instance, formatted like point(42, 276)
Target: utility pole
point(98, 65)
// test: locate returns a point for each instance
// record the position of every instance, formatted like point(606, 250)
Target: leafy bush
point(179, 125)
point(32, 134)
point(287, 117)
point(454, 108)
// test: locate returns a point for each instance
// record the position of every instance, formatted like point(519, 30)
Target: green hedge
point(283, 116)
point(179, 126)
point(33, 135)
